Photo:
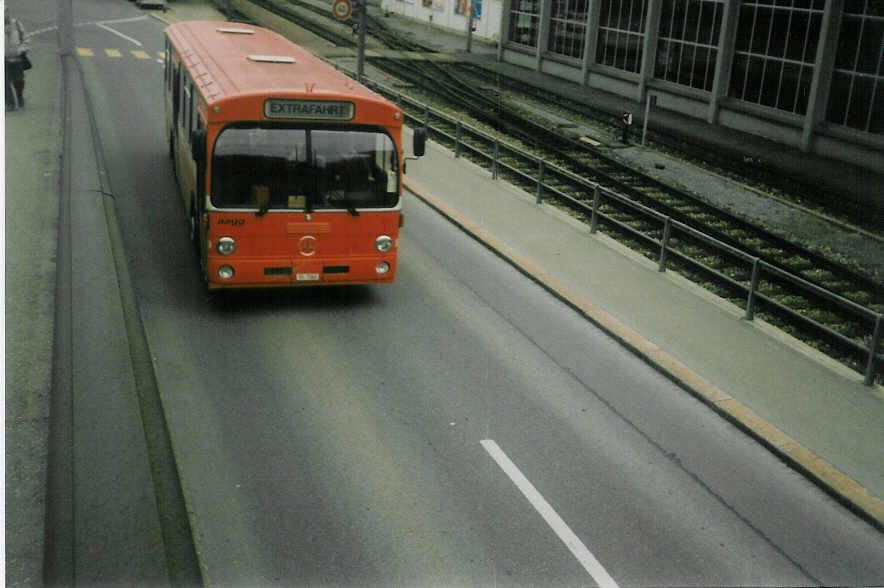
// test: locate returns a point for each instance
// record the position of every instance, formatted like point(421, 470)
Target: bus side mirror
point(198, 145)
point(419, 146)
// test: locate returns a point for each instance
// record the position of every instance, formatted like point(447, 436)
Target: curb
point(837, 484)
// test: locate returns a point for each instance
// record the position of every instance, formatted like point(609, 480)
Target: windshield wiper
point(341, 201)
point(263, 209)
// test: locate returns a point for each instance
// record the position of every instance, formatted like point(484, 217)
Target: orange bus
point(290, 171)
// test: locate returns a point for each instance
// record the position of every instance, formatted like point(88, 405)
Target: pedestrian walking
point(16, 61)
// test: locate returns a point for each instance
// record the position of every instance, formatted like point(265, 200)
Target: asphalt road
point(461, 427)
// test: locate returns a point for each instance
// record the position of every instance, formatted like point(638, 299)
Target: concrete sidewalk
point(84, 510)
point(813, 412)
point(32, 141)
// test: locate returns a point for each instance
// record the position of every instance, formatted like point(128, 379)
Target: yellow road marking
point(113, 53)
point(84, 52)
point(140, 54)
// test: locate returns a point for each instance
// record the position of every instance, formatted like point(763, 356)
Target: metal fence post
point(664, 244)
point(496, 155)
point(753, 287)
point(873, 351)
point(541, 172)
point(457, 139)
point(594, 220)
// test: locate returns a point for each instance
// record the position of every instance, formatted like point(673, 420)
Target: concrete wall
point(442, 13)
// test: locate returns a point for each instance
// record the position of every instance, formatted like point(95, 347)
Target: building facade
point(805, 73)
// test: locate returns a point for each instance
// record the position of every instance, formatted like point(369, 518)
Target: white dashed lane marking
point(552, 518)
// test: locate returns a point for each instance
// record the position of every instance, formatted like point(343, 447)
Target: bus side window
point(188, 115)
point(192, 123)
point(176, 94)
point(167, 63)
point(197, 122)
point(183, 106)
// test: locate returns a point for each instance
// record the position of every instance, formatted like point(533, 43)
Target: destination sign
point(309, 109)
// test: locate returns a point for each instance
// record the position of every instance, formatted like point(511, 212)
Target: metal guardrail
point(669, 226)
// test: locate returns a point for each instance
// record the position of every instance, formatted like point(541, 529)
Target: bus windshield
point(297, 168)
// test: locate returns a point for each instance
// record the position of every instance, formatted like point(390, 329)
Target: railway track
point(571, 169)
point(725, 164)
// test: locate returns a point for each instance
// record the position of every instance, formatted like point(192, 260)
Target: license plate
point(307, 277)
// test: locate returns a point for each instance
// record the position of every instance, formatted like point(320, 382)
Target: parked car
point(155, 3)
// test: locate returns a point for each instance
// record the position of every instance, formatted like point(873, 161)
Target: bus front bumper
point(276, 272)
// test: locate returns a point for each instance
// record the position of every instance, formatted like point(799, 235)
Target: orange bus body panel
point(287, 250)
point(235, 69)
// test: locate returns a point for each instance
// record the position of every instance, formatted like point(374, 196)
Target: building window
point(567, 27)
point(621, 34)
point(775, 52)
point(687, 44)
point(856, 98)
point(525, 22)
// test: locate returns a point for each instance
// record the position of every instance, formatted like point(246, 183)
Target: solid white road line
point(83, 24)
point(119, 20)
point(118, 33)
point(583, 555)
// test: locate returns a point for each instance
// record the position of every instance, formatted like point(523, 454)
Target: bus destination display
point(308, 109)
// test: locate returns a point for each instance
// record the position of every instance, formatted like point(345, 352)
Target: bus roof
point(228, 59)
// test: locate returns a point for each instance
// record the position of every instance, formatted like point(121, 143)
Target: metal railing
point(669, 229)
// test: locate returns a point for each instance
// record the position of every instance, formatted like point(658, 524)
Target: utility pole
point(65, 27)
point(470, 27)
point(360, 56)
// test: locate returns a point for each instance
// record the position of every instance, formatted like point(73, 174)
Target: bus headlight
point(225, 272)
point(383, 243)
point(226, 246)
point(382, 268)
